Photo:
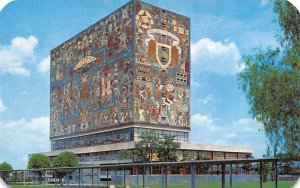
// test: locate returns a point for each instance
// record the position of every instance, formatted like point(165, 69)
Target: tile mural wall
point(162, 69)
point(92, 76)
point(130, 67)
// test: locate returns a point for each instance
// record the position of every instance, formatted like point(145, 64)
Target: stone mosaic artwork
point(162, 69)
point(132, 67)
point(92, 76)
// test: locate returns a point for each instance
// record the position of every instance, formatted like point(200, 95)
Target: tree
point(167, 148)
point(289, 21)
point(204, 167)
point(144, 149)
point(265, 170)
point(126, 154)
point(248, 166)
point(5, 166)
point(37, 161)
point(187, 155)
point(150, 145)
point(64, 159)
point(271, 83)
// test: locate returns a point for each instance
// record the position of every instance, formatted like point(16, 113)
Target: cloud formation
point(241, 132)
point(44, 65)
point(14, 56)
point(2, 106)
point(218, 57)
point(27, 137)
point(264, 2)
point(195, 84)
point(206, 99)
point(3, 3)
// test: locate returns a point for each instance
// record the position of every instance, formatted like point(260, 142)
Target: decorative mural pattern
point(92, 76)
point(162, 69)
point(132, 67)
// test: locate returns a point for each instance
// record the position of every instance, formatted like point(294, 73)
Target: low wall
point(288, 177)
point(179, 179)
point(176, 179)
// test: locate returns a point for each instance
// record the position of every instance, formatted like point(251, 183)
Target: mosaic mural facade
point(162, 67)
point(92, 76)
point(130, 68)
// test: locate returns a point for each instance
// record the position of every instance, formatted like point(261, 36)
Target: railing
point(194, 174)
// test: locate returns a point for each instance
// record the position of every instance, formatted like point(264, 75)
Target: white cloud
point(206, 99)
point(264, 2)
point(3, 3)
point(21, 137)
point(217, 57)
point(195, 84)
point(2, 106)
point(241, 132)
point(14, 56)
point(44, 65)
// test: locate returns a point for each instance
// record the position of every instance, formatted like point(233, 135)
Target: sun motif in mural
point(144, 20)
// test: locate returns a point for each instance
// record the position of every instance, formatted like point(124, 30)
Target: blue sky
point(222, 31)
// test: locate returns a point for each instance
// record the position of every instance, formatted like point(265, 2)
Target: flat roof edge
point(211, 147)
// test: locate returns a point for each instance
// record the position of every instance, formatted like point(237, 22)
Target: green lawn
point(281, 184)
point(30, 186)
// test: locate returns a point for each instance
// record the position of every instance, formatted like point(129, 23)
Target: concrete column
point(230, 175)
point(193, 169)
point(237, 165)
point(260, 174)
point(212, 164)
point(124, 176)
point(162, 177)
point(107, 178)
point(276, 175)
point(23, 180)
point(45, 176)
point(68, 177)
point(223, 175)
point(137, 177)
point(92, 177)
point(143, 176)
point(98, 178)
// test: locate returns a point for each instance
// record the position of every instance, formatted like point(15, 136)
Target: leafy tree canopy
point(167, 148)
point(151, 145)
point(37, 161)
point(65, 159)
point(271, 82)
point(5, 166)
point(146, 147)
point(289, 21)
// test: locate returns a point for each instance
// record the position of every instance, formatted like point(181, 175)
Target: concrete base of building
point(109, 154)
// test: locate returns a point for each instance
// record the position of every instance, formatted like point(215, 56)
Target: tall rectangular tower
point(161, 70)
point(126, 74)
